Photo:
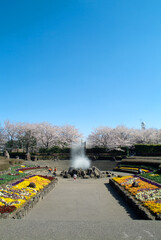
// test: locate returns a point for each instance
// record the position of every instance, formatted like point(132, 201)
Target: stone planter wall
point(22, 211)
point(143, 212)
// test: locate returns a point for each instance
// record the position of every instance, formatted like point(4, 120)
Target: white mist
point(78, 158)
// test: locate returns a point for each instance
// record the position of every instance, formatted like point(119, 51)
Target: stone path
point(81, 209)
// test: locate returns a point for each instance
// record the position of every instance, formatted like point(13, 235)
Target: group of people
point(54, 171)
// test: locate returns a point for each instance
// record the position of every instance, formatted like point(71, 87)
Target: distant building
point(143, 125)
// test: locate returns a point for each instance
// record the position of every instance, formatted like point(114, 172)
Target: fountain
point(80, 165)
point(78, 158)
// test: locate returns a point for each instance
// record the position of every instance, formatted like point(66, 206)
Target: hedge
point(148, 150)
point(54, 149)
point(101, 150)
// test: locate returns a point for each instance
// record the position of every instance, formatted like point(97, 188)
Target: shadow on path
point(130, 211)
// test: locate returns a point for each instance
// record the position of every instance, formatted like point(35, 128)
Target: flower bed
point(134, 169)
point(17, 172)
point(13, 174)
point(14, 196)
point(147, 192)
point(30, 168)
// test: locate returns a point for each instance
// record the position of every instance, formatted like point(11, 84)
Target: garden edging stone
point(140, 209)
point(22, 211)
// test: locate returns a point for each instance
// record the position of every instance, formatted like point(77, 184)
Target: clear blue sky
point(87, 63)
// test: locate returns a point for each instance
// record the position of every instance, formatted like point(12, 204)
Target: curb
point(24, 209)
point(143, 212)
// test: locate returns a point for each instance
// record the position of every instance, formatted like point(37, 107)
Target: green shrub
point(53, 150)
point(19, 154)
point(148, 150)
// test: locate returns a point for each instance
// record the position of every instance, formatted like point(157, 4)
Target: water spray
point(78, 158)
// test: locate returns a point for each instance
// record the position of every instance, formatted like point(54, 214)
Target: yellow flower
point(144, 188)
point(22, 191)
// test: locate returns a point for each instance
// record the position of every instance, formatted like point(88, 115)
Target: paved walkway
point(81, 209)
point(81, 200)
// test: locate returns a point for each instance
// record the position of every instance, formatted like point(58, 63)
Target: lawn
point(13, 174)
point(154, 176)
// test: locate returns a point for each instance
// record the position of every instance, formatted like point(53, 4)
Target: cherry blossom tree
point(68, 134)
point(150, 136)
point(102, 137)
point(115, 138)
point(2, 138)
point(26, 138)
point(46, 134)
point(123, 137)
point(31, 137)
point(10, 134)
point(19, 135)
point(10, 130)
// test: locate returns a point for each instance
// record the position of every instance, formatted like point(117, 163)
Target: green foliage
point(93, 153)
point(66, 150)
point(27, 142)
point(99, 153)
point(7, 178)
point(148, 150)
point(43, 150)
point(53, 150)
point(21, 155)
point(12, 144)
point(99, 150)
point(153, 178)
point(96, 150)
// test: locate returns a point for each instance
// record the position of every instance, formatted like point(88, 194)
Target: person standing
point(54, 172)
point(139, 171)
point(75, 176)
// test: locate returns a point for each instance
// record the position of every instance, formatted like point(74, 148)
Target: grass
point(6, 178)
point(11, 165)
point(154, 176)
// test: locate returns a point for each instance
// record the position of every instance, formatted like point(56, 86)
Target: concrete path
point(81, 200)
point(81, 209)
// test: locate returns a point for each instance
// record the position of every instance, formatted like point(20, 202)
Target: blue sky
point(87, 63)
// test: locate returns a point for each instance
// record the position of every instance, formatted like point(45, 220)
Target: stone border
point(24, 209)
point(136, 204)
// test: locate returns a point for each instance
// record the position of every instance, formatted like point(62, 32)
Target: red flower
point(7, 209)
